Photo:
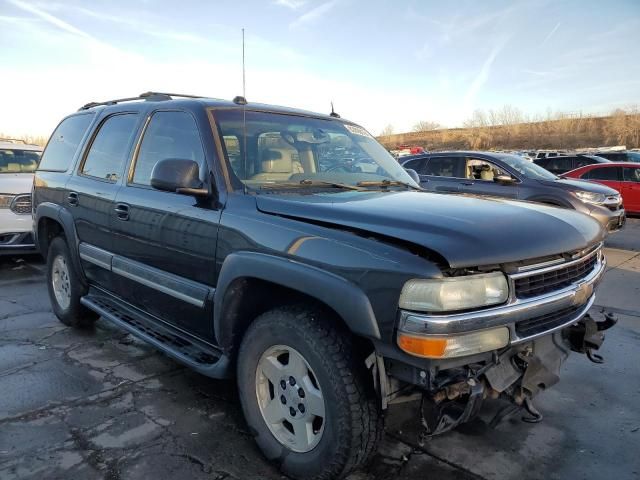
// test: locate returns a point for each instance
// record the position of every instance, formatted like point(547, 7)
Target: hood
point(465, 230)
point(574, 185)
point(15, 183)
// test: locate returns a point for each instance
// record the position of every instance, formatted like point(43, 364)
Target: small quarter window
point(64, 142)
point(108, 152)
point(169, 135)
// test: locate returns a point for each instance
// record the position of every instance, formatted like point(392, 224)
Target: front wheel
point(304, 395)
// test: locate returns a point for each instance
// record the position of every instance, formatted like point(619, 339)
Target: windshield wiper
point(386, 183)
point(305, 182)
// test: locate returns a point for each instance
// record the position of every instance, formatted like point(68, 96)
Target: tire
point(65, 288)
point(352, 424)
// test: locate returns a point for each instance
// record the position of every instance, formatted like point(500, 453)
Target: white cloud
point(550, 34)
point(313, 14)
point(483, 75)
point(292, 4)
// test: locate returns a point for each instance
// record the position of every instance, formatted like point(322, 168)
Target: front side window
point(108, 152)
point(18, 161)
point(169, 135)
point(416, 165)
point(270, 150)
point(453, 167)
point(64, 142)
point(605, 173)
point(631, 174)
point(478, 169)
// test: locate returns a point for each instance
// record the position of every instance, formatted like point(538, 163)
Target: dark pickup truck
point(290, 250)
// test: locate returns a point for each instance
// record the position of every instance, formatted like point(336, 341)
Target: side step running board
point(199, 356)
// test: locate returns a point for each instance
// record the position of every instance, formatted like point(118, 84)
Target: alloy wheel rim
point(61, 282)
point(290, 398)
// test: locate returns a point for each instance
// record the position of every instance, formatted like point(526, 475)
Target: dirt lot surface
point(101, 405)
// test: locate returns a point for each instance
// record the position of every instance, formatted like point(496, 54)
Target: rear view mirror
point(413, 174)
point(504, 179)
point(178, 175)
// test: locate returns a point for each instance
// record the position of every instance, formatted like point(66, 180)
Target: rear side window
point(631, 174)
point(108, 152)
point(169, 135)
point(604, 173)
point(64, 142)
point(446, 167)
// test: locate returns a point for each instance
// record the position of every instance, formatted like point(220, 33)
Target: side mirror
point(507, 179)
point(178, 175)
point(413, 174)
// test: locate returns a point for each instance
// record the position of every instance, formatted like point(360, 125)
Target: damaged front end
point(515, 375)
point(509, 352)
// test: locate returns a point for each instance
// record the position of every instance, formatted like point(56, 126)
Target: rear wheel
point(65, 289)
point(305, 396)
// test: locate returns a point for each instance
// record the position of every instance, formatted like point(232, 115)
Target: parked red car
point(622, 176)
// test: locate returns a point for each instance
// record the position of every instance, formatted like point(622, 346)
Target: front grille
point(541, 283)
point(544, 323)
point(21, 205)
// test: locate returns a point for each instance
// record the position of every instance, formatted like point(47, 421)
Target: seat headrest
point(277, 160)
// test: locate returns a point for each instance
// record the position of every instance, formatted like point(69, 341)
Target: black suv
point(565, 163)
point(290, 250)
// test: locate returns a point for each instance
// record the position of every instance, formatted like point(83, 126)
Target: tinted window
point(64, 142)
point(562, 164)
point(542, 162)
point(604, 173)
point(445, 167)
point(169, 135)
point(631, 174)
point(108, 152)
point(18, 161)
point(414, 164)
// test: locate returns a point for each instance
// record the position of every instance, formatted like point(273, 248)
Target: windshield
point(282, 150)
point(527, 168)
point(18, 161)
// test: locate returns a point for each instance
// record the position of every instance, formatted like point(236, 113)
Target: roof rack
point(147, 96)
point(13, 140)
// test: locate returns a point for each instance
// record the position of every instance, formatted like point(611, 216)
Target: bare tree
point(388, 130)
point(426, 126)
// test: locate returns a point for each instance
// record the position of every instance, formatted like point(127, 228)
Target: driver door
point(165, 242)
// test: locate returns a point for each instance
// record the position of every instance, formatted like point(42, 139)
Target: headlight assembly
point(454, 293)
point(591, 197)
point(5, 200)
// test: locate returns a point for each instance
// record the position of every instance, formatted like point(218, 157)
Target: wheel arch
point(251, 283)
point(52, 220)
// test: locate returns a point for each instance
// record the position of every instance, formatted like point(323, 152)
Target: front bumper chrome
point(575, 300)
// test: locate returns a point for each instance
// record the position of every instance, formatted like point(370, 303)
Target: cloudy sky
point(379, 62)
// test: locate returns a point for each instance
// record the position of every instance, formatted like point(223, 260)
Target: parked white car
point(18, 161)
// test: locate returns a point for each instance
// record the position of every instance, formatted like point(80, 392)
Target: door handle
point(467, 183)
point(72, 199)
point(122, 211)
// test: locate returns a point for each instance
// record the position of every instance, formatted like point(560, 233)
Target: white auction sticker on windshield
point(356, 130)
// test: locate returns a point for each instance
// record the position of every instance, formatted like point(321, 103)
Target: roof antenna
point(242, 100)
point(333, 112)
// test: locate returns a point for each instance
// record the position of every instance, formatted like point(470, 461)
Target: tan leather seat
point(278, 164)
point(486, 173)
